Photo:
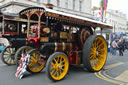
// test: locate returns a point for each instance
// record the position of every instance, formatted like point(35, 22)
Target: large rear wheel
point(20, 52)
point(57, 66)
point(94, 53)
point(7, 55)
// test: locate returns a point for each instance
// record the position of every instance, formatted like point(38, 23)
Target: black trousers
point(121, 52)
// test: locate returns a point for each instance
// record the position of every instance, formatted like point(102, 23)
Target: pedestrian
point(111, 48)
point(120, 45)
point(107, 46)
point(114, 46)
point(123, 42)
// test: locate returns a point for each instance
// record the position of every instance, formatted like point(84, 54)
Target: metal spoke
point(55, 60)
point(8, 59)
point(62, 65)
point(53, 71)
point(5, 57)
point(7, 50)
point(57, 73)
point(92, 57)
point(98, 41)
point(60, 71)
point(30, 64)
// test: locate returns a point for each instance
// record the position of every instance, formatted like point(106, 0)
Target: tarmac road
point(115, 69)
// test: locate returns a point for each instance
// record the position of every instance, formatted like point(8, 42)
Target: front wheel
point(94, 53)
point(57, 66)
point(7, 55)
point(37, 63)
point(20, 52)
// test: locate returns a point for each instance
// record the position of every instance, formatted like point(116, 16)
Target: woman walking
point(114, 46)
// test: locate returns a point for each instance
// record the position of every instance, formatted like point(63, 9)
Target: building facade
point(78, 7)
point(115, 18)
point(118, 20)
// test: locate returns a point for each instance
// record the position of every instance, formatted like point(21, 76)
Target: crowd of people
point(117, 44)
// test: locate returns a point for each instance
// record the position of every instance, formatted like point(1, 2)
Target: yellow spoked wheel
point(95, 53)
point(21, 51)
point(34, 65)
point(7, 55)
point(57, 66)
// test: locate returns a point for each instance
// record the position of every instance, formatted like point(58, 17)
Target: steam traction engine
point(13, 36)
point(62, 39)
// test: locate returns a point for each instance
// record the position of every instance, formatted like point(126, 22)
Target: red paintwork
point(35, 40)
point(72, 56)
point(38, 12)
point(11, 33)
point(35, 28)
point(0, 35)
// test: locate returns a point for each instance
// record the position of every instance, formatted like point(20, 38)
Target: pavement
point(116, 70)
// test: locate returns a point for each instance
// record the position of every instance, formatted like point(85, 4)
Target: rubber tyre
point(50, 59)
point(3, 59)
point(87, 50)
point(18, 51)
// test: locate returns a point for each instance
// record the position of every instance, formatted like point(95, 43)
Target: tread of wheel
point(86, 52)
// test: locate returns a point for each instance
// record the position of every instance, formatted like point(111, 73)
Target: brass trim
point(28, 27)
point(39, 20)
point(63, 44)
point(55, 46)
point(63, 35)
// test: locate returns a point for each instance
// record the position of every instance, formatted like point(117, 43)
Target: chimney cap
point(50, 6)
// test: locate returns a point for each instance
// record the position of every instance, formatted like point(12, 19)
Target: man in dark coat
point(120, 45)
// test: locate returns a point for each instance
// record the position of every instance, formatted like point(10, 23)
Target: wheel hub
point(11, 55)
point(97, 53)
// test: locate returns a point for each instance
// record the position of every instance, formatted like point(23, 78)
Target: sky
point(121, 5)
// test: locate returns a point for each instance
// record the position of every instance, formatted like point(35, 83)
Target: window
point(58, 3)
point(38, 1)
point(49, 1)
point(74, 1)
point(66, 3)
point(80, 5)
